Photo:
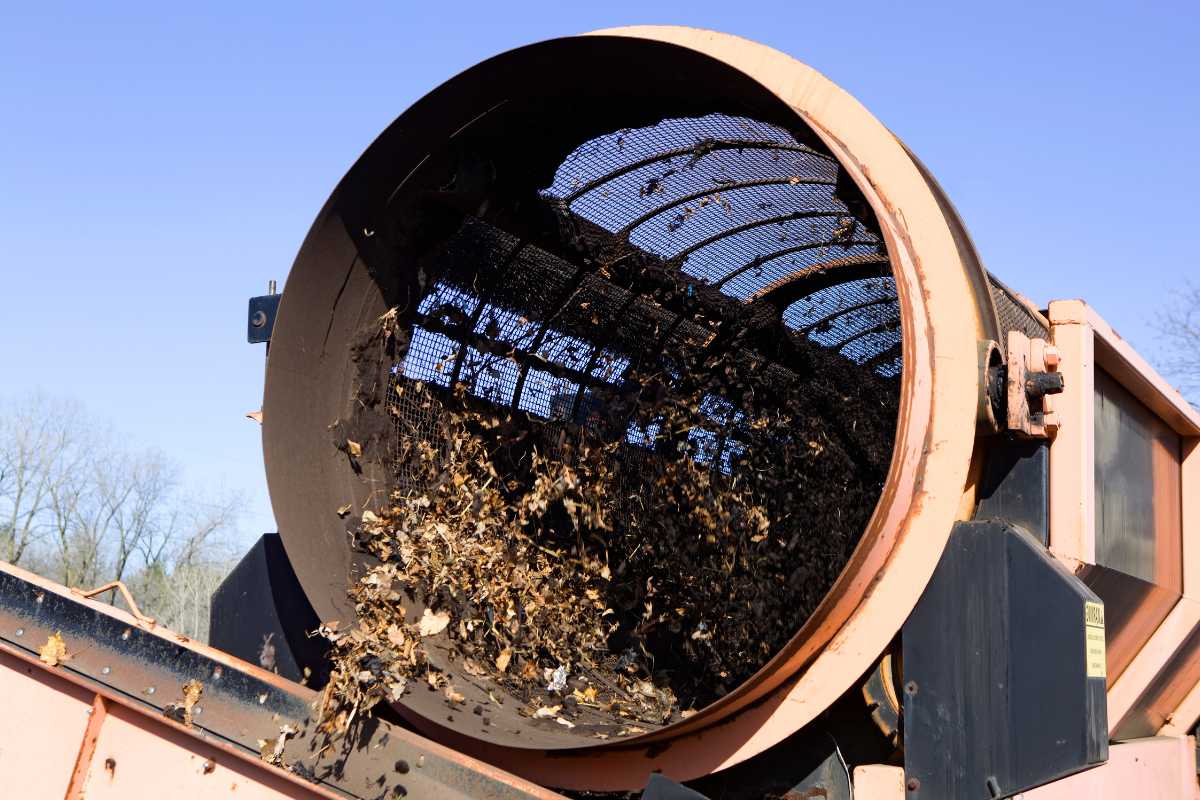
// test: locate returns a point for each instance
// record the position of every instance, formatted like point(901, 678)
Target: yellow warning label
point(1093, 639)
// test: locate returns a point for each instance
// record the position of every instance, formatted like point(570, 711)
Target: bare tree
point(184, 561)
point(1179, 327)
point(38, 437)
point(78, 507)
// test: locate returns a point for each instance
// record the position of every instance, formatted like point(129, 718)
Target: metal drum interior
point(557, 249)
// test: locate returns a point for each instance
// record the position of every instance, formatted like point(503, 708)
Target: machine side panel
point(1161, 768)
point(43, 725)
point(1000, 694)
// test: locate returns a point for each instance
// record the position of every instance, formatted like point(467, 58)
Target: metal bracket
point(260, 318)
point(1032, 376)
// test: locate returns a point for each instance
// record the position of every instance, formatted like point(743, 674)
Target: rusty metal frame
point(1087, 341)
point(1154, 767)
point(135, 669)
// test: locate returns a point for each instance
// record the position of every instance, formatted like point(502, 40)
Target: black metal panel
point(660, 787)
point(1015, 485)
point(814, 762)
point(260, 318)
point(260, 614)
point(997, 697)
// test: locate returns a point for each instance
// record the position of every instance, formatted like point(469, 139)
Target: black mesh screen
point(709, 242)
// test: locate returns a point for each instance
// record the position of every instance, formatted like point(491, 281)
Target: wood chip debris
point(637, 555)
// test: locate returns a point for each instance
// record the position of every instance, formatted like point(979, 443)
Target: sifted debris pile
point(621, 564)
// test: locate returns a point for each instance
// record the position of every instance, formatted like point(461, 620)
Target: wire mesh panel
point(708, 303)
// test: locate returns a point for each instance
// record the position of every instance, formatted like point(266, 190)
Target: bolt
point(1051, 356)
point(209, 766)
point(20, 631)
point(910, 688)
point(913, 784)
point(259, 319)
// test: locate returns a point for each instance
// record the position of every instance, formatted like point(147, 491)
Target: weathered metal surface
point(882, 696)
point(878, 782)
point(259, 614)
point(1161, 768)
point(141, 669)
point(1016, 485)
point(1003, 670)
point(1033, 376)
point(43, 725)
point(1150, 618)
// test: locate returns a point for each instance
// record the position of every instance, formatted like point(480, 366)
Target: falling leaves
point(54, 651)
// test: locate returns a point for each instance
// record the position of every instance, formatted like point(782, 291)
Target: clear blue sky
point(158, 167)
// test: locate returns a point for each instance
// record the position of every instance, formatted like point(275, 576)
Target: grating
point(1015, 314)
point(668, 238)
point(737, 205)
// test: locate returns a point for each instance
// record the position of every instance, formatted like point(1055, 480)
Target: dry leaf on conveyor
point(181, 710)
point(54, 651)
point(272, 751)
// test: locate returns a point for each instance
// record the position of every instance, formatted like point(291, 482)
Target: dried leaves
point(54, 651)
point(432, 624)
point(638, 554)
point(181, 710)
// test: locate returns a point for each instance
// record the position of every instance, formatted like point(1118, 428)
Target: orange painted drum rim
point(945, 310)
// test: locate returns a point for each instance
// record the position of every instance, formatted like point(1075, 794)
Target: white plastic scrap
point(558, 679)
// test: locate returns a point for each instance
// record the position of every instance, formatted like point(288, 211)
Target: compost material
point(628, 551)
